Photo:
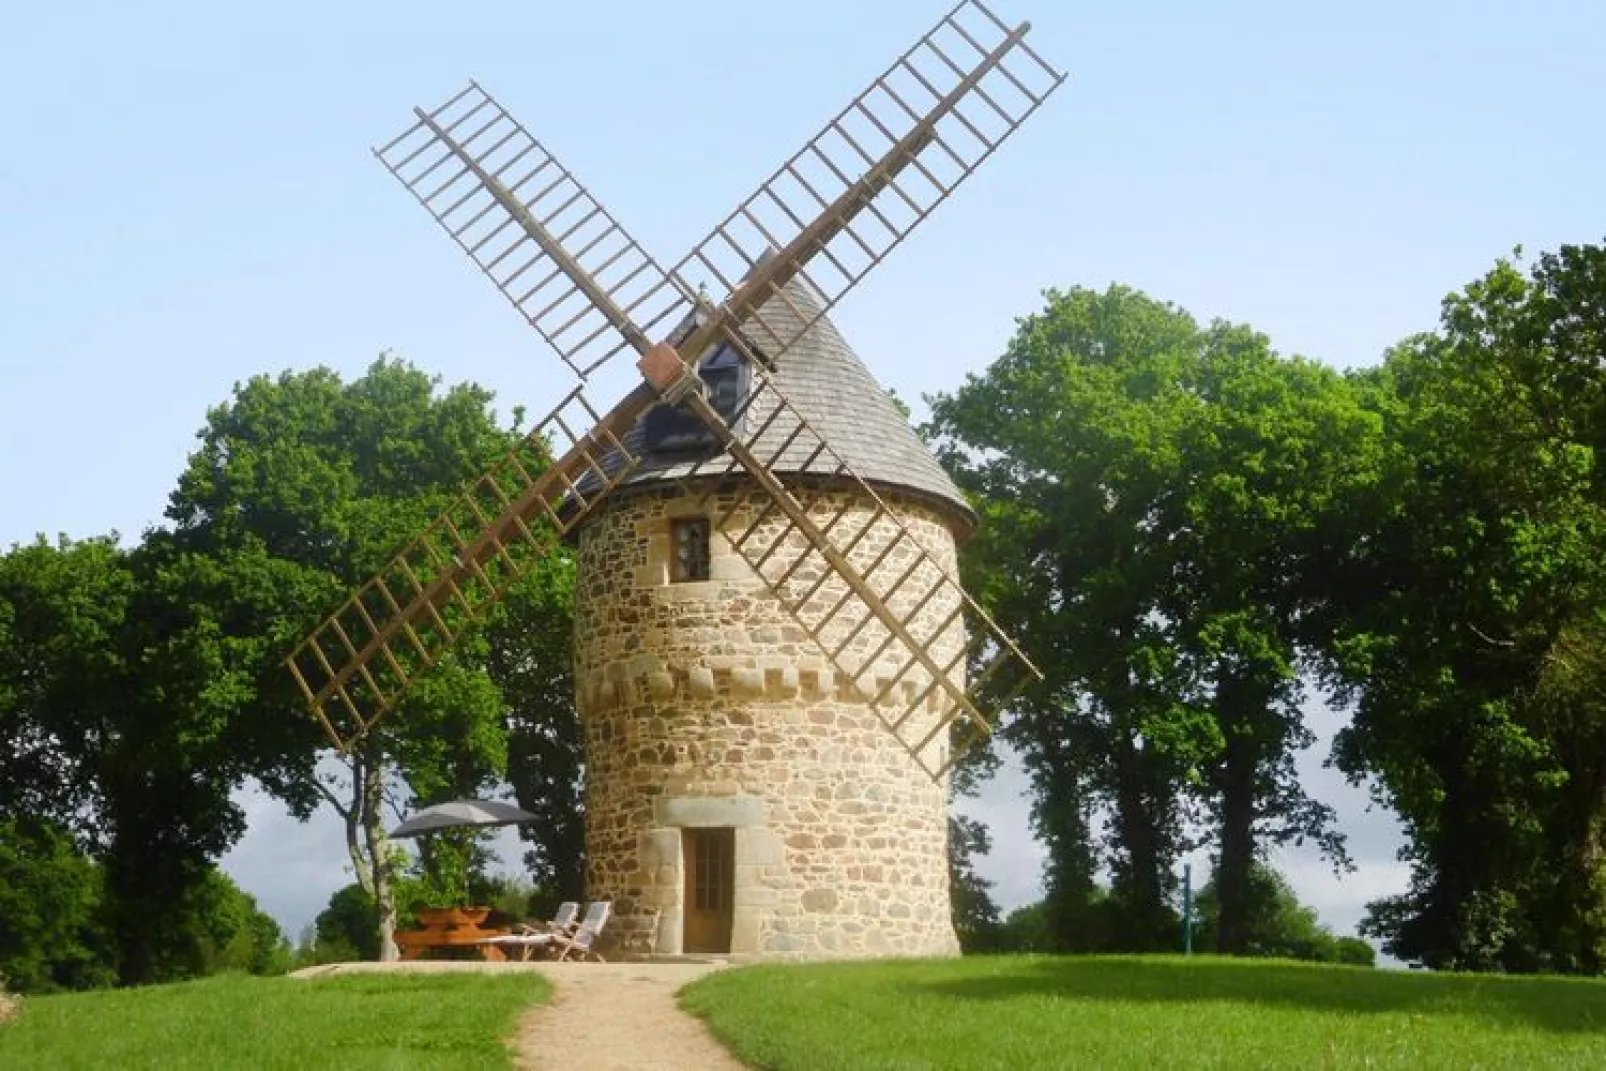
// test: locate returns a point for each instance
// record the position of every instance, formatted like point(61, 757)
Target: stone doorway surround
point(757, 847)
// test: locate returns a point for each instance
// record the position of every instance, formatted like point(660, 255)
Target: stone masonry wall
point(705, 704)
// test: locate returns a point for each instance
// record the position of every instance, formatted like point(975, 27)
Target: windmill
point(761, 582)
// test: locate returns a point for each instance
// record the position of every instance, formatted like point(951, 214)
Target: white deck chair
point(530, 938)
point(522, 943)
point(579, 944)
point(562, 922)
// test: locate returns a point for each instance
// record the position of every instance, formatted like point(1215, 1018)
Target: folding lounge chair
point(533, 938)
point(562, 922)
point(579, 944)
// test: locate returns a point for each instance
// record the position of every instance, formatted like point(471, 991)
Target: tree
point(51, 932)
point(530, 660)
point(118, 712)
point(1059, 560)
point(1027, 929)
point(140, 688)
point(227, 931)
point(348, 929)
point(302, 488)
point(1471, 651)
point(975, 915)
point(1275, 923)
point(1273, 454)
point(1154, 498)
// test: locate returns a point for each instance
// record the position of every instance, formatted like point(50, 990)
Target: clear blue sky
point(189, 198)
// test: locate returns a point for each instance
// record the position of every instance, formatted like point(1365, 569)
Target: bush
point(51, 932)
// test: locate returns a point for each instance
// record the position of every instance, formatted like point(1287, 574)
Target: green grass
point(236, 1021)
point(1144, 1012)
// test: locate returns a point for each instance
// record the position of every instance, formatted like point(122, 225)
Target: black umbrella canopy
point(458, 813)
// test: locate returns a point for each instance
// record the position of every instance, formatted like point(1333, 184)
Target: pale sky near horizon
point(189, 200)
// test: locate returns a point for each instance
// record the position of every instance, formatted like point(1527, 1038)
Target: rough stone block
point(747, 682)
point(819, 900)
point(700, 681)
point(781, 682)
point(660, 847)
point(747, 924)
point(757, 846)
point(704, 811)
point(755, 896)
point(670, 941)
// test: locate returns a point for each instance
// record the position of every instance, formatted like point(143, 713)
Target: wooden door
point(710, 862)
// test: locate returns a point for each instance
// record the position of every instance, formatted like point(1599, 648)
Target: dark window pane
point(689, 538)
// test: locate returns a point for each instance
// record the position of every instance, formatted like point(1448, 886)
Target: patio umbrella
point(461, 813)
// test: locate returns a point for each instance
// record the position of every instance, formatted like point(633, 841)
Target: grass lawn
point(1144, 1012)
point(236, 1021)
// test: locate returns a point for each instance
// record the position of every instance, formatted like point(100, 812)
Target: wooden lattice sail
point(783, 258)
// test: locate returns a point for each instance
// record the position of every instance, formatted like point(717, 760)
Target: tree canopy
point(143, 686)
point(1156, 498)
point(1472, 648)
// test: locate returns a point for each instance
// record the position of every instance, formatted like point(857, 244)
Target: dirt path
point(602, 1016)
point(619, 1017)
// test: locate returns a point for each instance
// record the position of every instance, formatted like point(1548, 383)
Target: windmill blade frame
point(765, 242)
point(856, 622)
point(582, 303)
point(364, 657)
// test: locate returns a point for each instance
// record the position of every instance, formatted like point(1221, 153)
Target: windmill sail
point(363, 658)
point(517, 212)
point(887, 612)
point(785, 257)
point(840, 204)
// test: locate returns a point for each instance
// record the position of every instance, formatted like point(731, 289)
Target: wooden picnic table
point(450, 928)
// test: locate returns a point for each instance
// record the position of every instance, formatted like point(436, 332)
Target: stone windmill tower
point(776, 664)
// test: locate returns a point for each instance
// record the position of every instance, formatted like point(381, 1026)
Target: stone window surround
point(724, 563)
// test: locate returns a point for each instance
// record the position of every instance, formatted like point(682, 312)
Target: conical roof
point(824, 380)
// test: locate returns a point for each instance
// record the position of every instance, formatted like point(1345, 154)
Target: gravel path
point(602, 1016)
point(619, 1017)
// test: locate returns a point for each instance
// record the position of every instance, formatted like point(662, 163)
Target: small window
point(689, 536)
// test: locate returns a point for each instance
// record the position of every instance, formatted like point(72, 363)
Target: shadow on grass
point(1559, 1005)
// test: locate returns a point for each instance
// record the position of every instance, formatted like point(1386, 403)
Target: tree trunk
point(378, 851)
point(366, 843)
point(1237, 837)
point(1241, 710)
point(1142, 885)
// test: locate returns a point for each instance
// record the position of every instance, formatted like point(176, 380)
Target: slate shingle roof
point(824, 380)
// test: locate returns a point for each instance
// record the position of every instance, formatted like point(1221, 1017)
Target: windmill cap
point(835, 393)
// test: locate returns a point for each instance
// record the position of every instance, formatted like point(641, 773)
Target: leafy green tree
point(303, 487)
point(140, 688)
point(530, 660)
point(1028, 929)
point(1154, 500)
point(975, 914)
point(1034, 441)
point(348, 929)
point(117, 718)
point(229, 932)
point(51, 931)
point(1277, 924)
point(1471, 649)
